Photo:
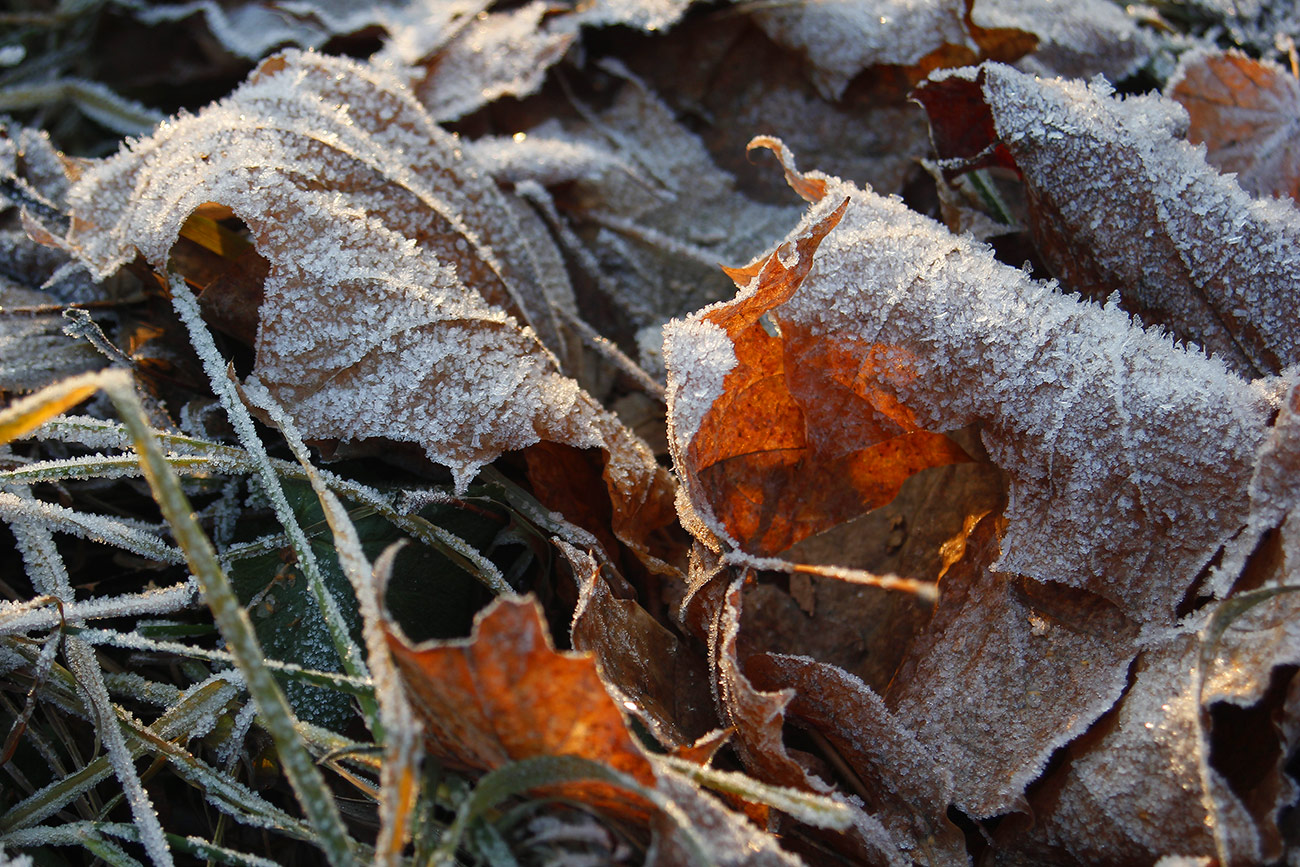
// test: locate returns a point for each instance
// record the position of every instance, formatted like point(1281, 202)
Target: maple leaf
point(506, 694)
point(414, 277)
point(1119, 202)
point(1245, 112)
point(787, 436)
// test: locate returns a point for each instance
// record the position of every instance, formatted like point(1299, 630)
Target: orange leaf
point(1247, 113)
point(506, 694)
point(799, 439)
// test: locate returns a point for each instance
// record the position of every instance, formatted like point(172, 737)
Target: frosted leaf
point(1136, 787)
point(375, 227)
point(907, 788)
point(1078, 39)
point(649, 670)
point(1119, 202)
point(253, 29)
point(1115, 440)
point(1007, 671)
point(662, 214)
point(1247, 112)
point(731, 839)
point(843, 37)
point(499, 54)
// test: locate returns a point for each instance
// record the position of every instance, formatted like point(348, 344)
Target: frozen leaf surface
point(841, 38)
point(1007, 671)
point(1115, 440)
point(1075, 40)
point(398, 273)
point(499, 54)
point(506, 694)
point(1247, 112)
point(1120, 202)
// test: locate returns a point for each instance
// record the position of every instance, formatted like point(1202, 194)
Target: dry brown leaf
point(1007, 671)
point(1247, 113)
point(651, 672)
point(1079, 39)
point(798, 439)
point(1119, 202)
point(902, 784)
point(1137, 786)
point(1114, 439)
point(398, 273)
point(506, 694)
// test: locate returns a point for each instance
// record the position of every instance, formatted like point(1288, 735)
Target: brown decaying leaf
point(902, 784)
point(1114, 439)
point(1137, 786)
point(1247, 113)
point(650, 671)
point(1079, 39)
point(1119, 202)
point(758, 718)
point(370, 327)
point(799, 438)
point(506, 694)
point(1007, 671)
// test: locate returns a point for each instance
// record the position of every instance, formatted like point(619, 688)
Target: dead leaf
point(1079, 39)
point(796, 439)
point(1006, 672)
point(379, 254)
point(1098, 423)
point(498, 54)
point(901, 782)
point(1247, 113)
point(1135, 788)
point(1119, 202)
point(505, 694)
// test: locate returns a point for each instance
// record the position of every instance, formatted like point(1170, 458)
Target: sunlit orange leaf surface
point(506, 694)
point(1247, 113)
point(799, 440)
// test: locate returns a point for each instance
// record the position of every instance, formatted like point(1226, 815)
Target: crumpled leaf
point(793, 439)
point(903, 785)
point(375, 227)
point(1115, 440)
point(758, 717)
point(1136, 787)
point(1007, 671)
point(1247, 113)
point(651, 672)
point(498, 54)
point(506, 694)
point(1120, 203)
point(841, 38)
point(1075, 40)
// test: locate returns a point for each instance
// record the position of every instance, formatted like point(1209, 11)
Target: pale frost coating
point(1150, 217)
point(1129, 456)
point(843, 37)
point(375, 225)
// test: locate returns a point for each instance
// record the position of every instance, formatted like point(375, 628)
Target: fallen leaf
point(1137, 786)
point(1007, 671)
point(498, 54)
point(1074, 40)
point(1247, 113)
point(795, 438)
point(1119, 202)
point(902, 784)
point(506, 694)
point(1114, 439)
point(378, 253)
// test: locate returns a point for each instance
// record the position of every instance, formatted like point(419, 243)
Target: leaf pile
point(667, 520)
